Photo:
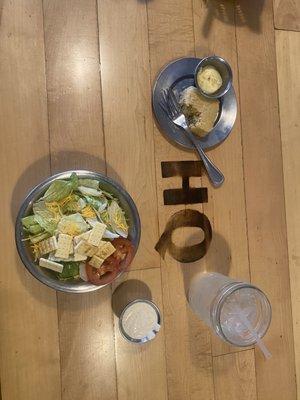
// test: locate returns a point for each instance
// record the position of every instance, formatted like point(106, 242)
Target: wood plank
point(234, 376)
point(87, 346)
point(127, 113)
point(29, 341)
point(287, 14)
point(76, 138)
point(228, 253)
point(73, 85)
point(146, 377)
point(188, 348)
point(265, 199)
point(288, 67)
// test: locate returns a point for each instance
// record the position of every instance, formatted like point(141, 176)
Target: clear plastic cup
point(238, 312)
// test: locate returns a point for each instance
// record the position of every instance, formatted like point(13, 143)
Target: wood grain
point(76, 139)
point(28, 327)
point(288, 65)
point(127, 112)
point(188, 348)
point(234, 376)
point(287, 14)
point(228, 253)
point(146, 377)
point(73, 85)
point(265, 199)
point(87, 346)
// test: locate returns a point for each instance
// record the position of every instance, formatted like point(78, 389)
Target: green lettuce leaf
point(108, 195)
point(46, 221)
point(90, 183)
point(73, 224)
point(70, 271)
point(72, 206)
point(28, 221)
point(87, 191)
point(44, 217)
point(117, 219)
point(60, 189)
point(37, 238)
point(35, 229)
point(98, 204)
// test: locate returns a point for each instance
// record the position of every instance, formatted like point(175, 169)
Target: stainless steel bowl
point(225, 71)
point(42, 274)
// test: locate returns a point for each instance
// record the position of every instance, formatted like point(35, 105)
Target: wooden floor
point(75, 92)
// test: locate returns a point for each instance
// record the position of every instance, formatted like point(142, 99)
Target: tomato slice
point(119, 260)
point(105, 274)
point(124, 252)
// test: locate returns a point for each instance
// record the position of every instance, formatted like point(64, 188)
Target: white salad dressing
point(140, 320)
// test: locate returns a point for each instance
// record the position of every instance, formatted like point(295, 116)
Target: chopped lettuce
point(35, 229)
point(47, 219)
point(60, 189)
point(90, 183)
point(108, 195)
point(72, 224)
point(28, 221)
point(70, 271)
point(89, 191)
point(37, 238)
point(92, 221)
point(110, 235)
point(117, 219)
point(98, 204)
point(71, 205)
point(82, 272)
point(81, 203)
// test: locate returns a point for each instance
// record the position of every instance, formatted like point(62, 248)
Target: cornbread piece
point(200, 112)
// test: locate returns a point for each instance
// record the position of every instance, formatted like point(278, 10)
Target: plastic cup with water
point(236, 311)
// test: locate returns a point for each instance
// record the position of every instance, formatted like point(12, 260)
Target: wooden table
point(75, 92)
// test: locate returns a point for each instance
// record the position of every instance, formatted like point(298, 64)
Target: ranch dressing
point(140, 321)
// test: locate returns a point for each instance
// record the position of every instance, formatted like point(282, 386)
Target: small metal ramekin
point(225, 71)
point(144, 339)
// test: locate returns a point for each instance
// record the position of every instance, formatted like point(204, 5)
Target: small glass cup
point(230, 308)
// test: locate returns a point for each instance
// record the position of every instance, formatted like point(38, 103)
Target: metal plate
point(46, 276)
point(177, 76)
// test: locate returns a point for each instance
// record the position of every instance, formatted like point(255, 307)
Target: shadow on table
point(127, 292)
point(34, 175)
point(233, 12)
point(217, 259)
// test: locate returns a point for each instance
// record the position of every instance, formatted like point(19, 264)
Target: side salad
point(79, 231)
